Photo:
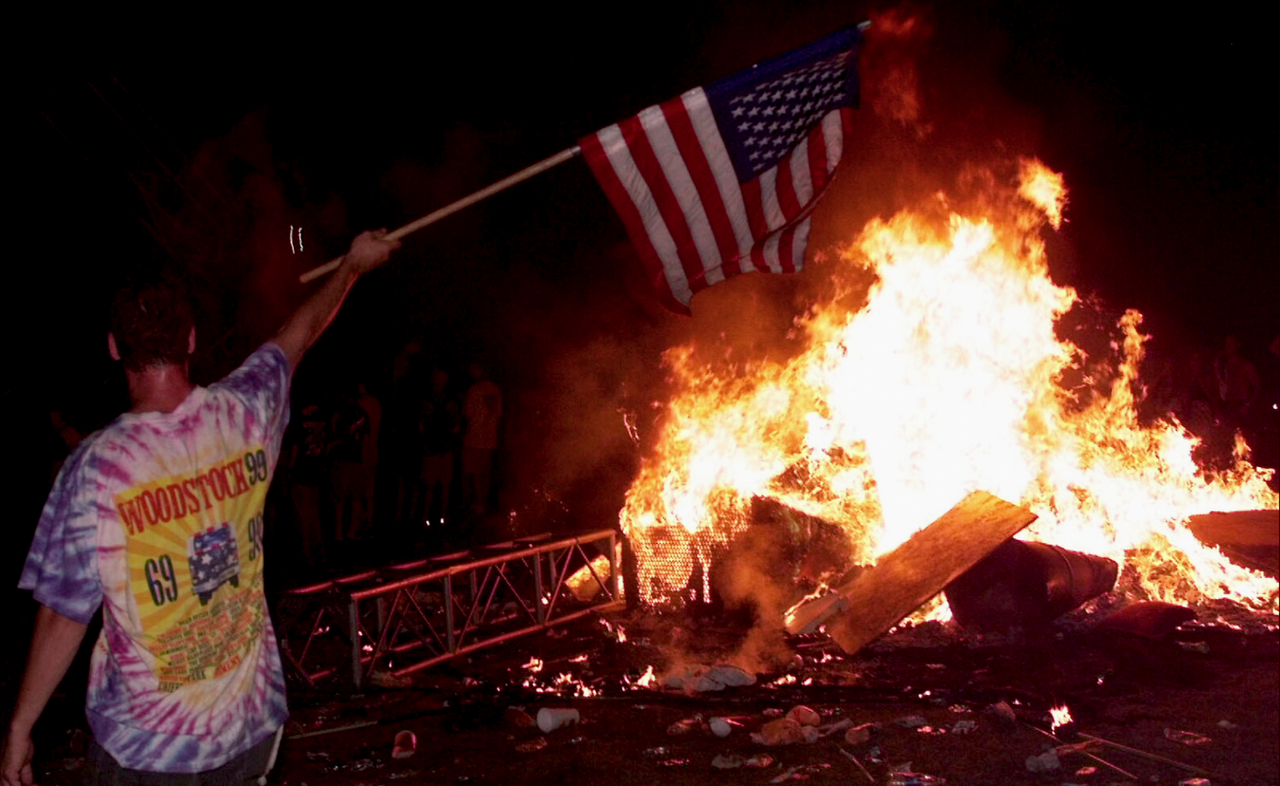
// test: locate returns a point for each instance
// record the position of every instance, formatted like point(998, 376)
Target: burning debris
point(588, 581)
point(950, 378)
point(1026, 585)
point(914, 572)
point(915, 713)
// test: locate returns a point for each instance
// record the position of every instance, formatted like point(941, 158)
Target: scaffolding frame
point(401, 624)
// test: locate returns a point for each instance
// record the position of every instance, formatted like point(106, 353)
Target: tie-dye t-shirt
point(158, 519)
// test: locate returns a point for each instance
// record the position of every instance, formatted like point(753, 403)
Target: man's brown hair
point(151, 320)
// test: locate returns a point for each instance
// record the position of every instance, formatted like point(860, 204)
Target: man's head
point(152, 324)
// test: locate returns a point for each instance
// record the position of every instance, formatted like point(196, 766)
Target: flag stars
point(771, 118)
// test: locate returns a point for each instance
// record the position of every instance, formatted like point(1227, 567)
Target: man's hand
point(17, 760)
point(53, 646)
point(369, 250)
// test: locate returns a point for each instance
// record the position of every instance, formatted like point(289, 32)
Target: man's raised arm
point(368, 251)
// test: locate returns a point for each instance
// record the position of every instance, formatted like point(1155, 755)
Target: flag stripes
point(689, 218)
point(671, 176)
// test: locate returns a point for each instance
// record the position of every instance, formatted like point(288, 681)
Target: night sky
point(1165, 127)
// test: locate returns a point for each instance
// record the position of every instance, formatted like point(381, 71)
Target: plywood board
point(909, 575)
point(1248, 537)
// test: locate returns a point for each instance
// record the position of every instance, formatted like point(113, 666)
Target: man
point(439, 424)
point(158, 519)
point(368, 455)
point(482, 409)
point(306, 460)
point(356, 426)
point(1238, 380)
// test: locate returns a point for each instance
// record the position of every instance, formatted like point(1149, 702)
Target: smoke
point(587, 381)
point(753, 576)
point(887, 66)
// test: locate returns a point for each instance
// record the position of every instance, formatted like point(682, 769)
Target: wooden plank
point(909, 575)
point(1250, 538)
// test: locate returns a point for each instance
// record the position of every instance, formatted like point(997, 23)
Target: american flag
point(722, 180)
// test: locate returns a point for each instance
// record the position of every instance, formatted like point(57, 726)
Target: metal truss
point(408, 617)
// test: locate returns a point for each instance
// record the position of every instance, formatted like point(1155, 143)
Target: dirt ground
point(1217, 677)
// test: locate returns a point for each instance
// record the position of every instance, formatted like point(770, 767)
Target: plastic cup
point(550, 719)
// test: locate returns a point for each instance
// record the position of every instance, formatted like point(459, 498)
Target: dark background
point(201, 154)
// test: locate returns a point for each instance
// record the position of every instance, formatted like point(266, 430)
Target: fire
point(563, 683)
point(566, 682)
point(645, 680)
point(1044, 188)
point(617, 632)
point(947, 380)
point(1060, 716)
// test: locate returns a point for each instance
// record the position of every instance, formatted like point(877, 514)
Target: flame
point(562, 683)
point(579, 688)
point(1060, 716)
point(1044, 188)
point(618, 633)
point(949, 379)
point(645, 680)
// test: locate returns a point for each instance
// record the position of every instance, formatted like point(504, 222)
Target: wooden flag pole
point(467, 201)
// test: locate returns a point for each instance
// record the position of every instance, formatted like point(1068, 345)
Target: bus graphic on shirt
point(213, 560)
point(194, 555)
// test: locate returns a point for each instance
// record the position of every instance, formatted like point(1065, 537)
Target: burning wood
point(912, 573)
point(585, 582)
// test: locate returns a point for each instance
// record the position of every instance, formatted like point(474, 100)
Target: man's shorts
point(248, 769)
